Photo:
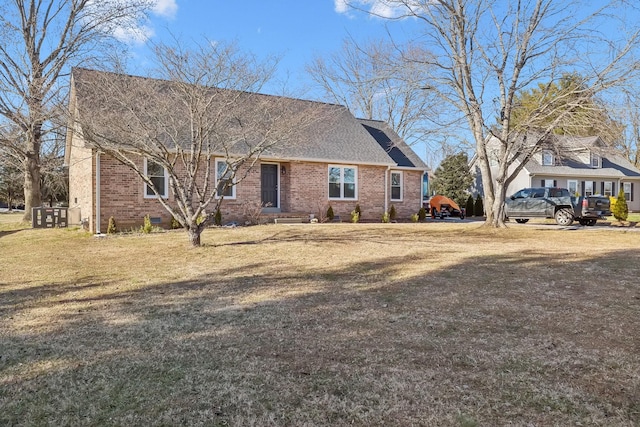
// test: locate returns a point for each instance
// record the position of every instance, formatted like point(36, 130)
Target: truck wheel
point(583, 222)
point(591, 222)
point(522, 220)
point(564, 217)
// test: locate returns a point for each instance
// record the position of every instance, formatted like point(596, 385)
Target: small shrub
point(321, 215)
point(175, 224)
point(386, 217)
point(422, 214)
point(478, 207)
point(415, 217)
point(147, 227)
point(392, 213)
point(252, 211)
point(201, 218)
point(330, 214)
point(112, 228)
point(217, 218)
point(620, 210)
point(355, 216)
point(469, 206)
point(358, 211)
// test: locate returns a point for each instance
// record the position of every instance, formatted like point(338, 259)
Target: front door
point(269, 185)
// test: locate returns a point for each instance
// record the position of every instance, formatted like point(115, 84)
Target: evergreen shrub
point(112, 228)
point(478, 207)
point(620, 210)
point(392, 213)
point(469, 206)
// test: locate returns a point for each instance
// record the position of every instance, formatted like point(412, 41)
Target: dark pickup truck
point(556, 203)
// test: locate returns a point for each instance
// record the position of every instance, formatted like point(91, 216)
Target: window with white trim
point(607, 188)
point(596, 160)
point(396, 186)
point(588, 188)
point(224, 183)
point(572, 186)
point(159, 177)
point(343, 182)
point(627, 191)
point(547, 158)
point(549, 183)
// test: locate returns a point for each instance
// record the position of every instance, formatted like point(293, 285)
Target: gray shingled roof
point(613, 165)
point(337, 136)
point(391, 142)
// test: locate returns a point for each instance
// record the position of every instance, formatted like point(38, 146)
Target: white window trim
point(355, 176)
point(604, 193)
point(166, 183)
point(217, 180)
point(625, 186)
point(401, 186)
point(577, 189)
point(550, 154)
point(549, 181)
point(598, 160)
point(588, 184)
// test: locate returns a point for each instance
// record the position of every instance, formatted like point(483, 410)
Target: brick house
point(342, 161)
point(583, 165)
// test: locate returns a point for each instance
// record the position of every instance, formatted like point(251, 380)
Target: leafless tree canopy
point(481, 53)
point(371, 79)
point(39, 40)
point(206, 107)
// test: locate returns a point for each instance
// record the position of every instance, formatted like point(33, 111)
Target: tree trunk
point(32, 196)
point(497, 209)
point(194, 235)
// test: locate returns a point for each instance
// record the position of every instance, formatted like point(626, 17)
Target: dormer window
point(547, 158)
point(596, 161)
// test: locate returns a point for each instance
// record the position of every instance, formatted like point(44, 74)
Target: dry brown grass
point(398, 324)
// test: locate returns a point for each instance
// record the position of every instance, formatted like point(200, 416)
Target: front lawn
point(332, 324)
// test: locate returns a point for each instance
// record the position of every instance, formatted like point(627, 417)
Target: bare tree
point(627, 112)
point(11, 175)
point(371, 80)
point(204, 107)
point(39, 40)
point(483, 52)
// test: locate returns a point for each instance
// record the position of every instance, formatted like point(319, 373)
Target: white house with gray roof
point(584, 165)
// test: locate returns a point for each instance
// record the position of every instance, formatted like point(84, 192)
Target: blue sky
point(296, 30)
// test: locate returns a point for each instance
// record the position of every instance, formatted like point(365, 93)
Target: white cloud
point(380, 8)
point(165, 8)
point(384, 10)
point(341, 6)
point(143, 31)
point(137, 35)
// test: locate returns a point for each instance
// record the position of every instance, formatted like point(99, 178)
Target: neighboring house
point(342, 161)
point(584, 165)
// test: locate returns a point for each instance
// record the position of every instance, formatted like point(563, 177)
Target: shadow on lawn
point(8, 232)
point(520, 338)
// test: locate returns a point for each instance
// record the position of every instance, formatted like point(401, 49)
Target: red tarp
point(437, 201)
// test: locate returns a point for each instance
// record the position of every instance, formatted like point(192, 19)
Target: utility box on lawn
point(49, 217)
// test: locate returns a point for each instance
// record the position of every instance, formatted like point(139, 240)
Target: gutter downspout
point(98, 192)
point(386, 189)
